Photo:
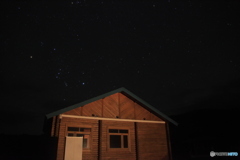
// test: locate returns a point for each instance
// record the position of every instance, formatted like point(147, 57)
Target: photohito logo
point(212, 153)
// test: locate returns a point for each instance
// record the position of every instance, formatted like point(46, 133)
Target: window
point(80, 132)
point(118, 138)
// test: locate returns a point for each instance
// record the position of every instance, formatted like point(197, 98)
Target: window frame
point(122, 139)
point(79, 132)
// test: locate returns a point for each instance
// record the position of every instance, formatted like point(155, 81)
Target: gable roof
point(119, 90)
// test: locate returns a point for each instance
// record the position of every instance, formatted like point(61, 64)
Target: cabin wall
point(107, 153)
point(152, 141)
point(88, 154)
point(146, 140)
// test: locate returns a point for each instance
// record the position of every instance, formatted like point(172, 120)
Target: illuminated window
point(118, 138)
point(80, 132)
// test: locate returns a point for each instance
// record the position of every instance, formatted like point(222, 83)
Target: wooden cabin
point(117, 125)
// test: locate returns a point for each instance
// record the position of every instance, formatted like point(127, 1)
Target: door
point(73, 148)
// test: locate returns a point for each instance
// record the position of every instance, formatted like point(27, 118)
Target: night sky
point(173, 54)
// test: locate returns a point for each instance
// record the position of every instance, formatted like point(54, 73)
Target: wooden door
point(73, 148)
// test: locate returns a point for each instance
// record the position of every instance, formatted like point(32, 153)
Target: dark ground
point(203, 131)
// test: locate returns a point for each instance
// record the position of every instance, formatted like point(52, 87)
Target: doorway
point(73, 148)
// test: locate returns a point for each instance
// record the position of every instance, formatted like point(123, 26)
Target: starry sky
point(173, 54)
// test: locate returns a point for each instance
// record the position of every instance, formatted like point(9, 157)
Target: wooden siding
point(142, 113)
point(117, 154)
point(116, 105)
point(146, 140)
point(53, 126)
point(94, 108)
point(56, 126)
point(111, 106)
point(126, 106)
point(152, 141)
point(155, 118)
point(76, 111)
point(88, 154)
